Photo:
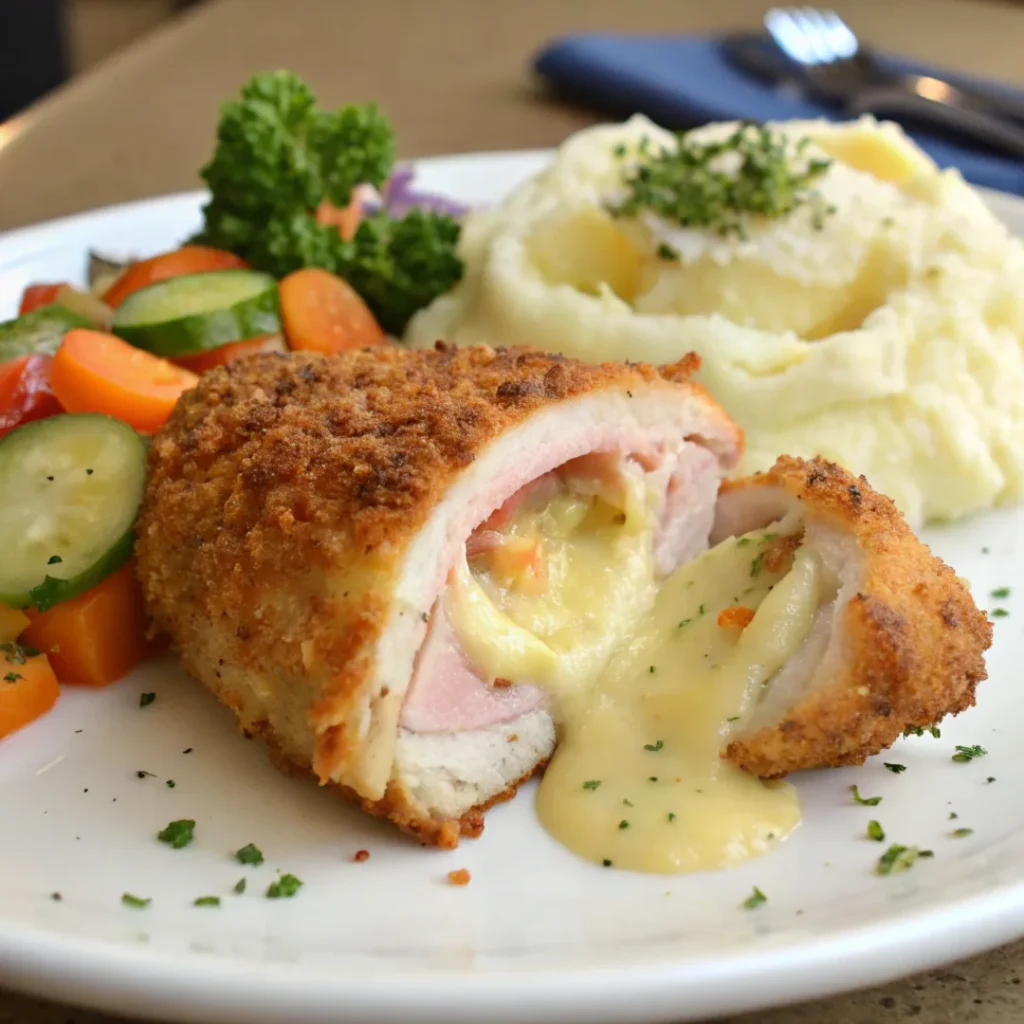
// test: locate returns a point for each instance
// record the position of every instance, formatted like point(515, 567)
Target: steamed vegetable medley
point(311, 240)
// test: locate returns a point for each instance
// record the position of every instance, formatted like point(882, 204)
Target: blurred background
point(44, 42)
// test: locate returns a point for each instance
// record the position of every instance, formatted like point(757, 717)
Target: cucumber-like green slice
point(39, 332)
point(70, 491)
point(197, 312)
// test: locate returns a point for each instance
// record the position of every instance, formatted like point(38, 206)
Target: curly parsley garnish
point(964, 754)
point(723, 185)
point(284, 888)
point(178, 833)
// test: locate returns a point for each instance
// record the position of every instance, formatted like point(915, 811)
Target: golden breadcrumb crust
point(913, 637)
point(282, 494)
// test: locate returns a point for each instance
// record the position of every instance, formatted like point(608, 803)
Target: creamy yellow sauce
point(646, 683)
point(560, 626)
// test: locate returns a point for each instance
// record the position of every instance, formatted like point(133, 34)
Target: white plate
point(537, 936)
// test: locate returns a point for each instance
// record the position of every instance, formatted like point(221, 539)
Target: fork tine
point(810, 25)
point(843, 41)
point(782, 23)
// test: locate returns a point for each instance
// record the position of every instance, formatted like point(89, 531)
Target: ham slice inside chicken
point(446, 694)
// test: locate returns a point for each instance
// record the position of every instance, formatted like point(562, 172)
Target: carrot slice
point(97, 372)
point(97, 637)
point(322, 313)
point(36, 295)
point(13, 623)
point(28, 689)
point(345, 219)
point(205, 361)
point(189, 259)
point(737, 617)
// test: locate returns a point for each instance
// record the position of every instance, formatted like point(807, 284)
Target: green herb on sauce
point(144, 775)
point(240, 886)
point(667, 253)
point(953, 815)
point(684, 623)
point(623, 824)
point(606, 863)
point(965, 754)
point(991, 778)
point(146, 699)
point(170, 783)
point(755, 899)
point(655, 746)
point(135, 901)
point(54, 560)
point(207, 901)
point(13, 677)
point(1000, 592)
point(178, 833)
point(875, 831)
point(671, 816)
point(284, 888)
point(250, 854)
point(896, 769)
point(961, 833)
point(592, 784)
point(999, 613)
point(864, 801)
point(756, 565)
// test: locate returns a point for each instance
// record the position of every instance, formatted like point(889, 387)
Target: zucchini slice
point(198, 312)
point(70, 490)
point(39, 332)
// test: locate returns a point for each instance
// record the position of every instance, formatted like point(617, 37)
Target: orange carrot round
point(97, 372)
point(346, 219)
point(96, 638)
point(205, 361)
point(322, 313)
point(28, 688)
point(189, 259)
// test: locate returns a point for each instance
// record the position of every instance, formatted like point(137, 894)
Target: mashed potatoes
point(888, 336)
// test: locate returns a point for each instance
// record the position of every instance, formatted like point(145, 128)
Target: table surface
point(453, 76)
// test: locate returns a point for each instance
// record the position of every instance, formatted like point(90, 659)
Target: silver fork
point(841, 70)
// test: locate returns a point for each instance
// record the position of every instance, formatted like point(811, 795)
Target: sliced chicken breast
point(897, 643)
point(313, 528)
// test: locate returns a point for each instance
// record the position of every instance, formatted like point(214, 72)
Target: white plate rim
point(151, 984)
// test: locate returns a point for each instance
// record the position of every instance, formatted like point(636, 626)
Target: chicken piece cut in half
point(318, 534)
point(403, 569)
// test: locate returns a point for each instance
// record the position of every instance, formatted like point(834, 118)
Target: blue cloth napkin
point(684, 81)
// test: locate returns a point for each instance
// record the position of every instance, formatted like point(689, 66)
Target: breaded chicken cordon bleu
point(411, 572)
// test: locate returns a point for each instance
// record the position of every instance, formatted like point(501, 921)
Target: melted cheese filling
point(647, 682)
point(562, 585)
